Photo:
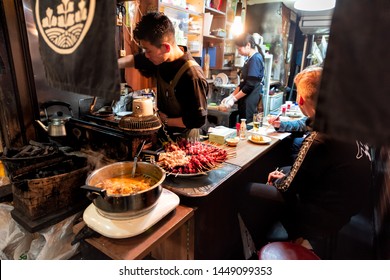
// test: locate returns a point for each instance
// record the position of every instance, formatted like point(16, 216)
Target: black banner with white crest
point(77, 45)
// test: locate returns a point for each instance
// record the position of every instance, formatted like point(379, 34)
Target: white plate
point(294, 115)
point(266, 140)
point(222, 79)
point(263, 130)
point(218, 81)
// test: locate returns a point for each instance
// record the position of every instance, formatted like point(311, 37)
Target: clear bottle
point(243, 129)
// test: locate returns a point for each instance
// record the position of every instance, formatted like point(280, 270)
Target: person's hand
point(274, 175)
point(229, 101)
point(274, 121)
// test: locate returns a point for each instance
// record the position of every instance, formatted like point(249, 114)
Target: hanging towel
point(77, 45)
point(354, 99)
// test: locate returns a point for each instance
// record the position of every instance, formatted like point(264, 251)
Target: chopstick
point(277, 169)
point(269, 124)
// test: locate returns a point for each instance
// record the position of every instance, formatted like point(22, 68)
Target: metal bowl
point(124, 205)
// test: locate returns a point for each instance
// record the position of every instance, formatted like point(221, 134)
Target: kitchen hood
point(315, 24)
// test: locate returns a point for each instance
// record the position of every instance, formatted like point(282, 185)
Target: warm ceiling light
point(314, 5)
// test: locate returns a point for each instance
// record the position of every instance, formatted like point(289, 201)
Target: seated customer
point(288, 126)
point(298, 129)
point(324, 188)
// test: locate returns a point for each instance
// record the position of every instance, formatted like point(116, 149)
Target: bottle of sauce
point(243, 129)
point(238, 129)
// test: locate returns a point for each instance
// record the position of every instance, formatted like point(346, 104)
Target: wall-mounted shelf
point(189, 20)
point(171, 6)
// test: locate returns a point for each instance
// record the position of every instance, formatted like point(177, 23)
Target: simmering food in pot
point(126, 185)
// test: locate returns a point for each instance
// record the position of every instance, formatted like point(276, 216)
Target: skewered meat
point(186, 157)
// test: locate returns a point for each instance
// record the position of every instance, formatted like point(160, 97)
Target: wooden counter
point(247, 152)
point(176, 228)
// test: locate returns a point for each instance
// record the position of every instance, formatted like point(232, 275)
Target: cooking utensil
point(124, 205)
point(93, 104)
point(139, 149)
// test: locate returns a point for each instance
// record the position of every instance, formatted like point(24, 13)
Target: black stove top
point(106, 121)
point(103, 135)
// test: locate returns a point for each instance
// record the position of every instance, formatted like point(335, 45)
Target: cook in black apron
point(248, 105)
point(168, 103)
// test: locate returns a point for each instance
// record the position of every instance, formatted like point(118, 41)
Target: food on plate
point(185, 157)
point(232, 141)
point(257, 138)
point(126, 185)
point(175, 158)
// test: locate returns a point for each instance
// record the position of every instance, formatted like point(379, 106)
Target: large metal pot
point(117, 206)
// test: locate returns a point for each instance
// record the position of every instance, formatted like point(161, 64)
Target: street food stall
point(195, 216)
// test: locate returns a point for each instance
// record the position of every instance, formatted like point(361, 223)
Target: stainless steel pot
point(122, 206)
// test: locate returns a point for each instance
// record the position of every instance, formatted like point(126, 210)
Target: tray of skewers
point(191, 158)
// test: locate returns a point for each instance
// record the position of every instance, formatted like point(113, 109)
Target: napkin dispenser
point(220, 133)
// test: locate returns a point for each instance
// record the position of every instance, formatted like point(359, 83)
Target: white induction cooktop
point(125, 228)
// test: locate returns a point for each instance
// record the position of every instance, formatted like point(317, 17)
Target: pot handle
point(94, 191)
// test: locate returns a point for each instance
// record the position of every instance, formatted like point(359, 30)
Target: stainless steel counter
point(200, 185)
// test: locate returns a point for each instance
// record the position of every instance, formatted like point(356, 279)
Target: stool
point(286, 251)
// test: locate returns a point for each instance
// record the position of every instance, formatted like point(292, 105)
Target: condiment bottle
point(238, 129)
point(284, 110)
point(243, 129)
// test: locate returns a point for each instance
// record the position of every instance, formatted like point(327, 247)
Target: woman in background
point(248, 92)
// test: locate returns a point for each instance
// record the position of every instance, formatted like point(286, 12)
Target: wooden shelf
point(214, 11)
point(166, 5)
point(211, 37)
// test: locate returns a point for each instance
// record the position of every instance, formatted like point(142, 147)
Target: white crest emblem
point(64, 23)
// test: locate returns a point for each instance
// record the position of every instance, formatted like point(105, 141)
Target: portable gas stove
point(127, 227)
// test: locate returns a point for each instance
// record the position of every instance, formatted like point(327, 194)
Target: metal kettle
point(56, 122)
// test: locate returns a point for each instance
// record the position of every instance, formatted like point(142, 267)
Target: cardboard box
point(220, 134)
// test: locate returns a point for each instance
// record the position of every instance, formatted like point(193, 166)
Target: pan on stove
point(104, 112)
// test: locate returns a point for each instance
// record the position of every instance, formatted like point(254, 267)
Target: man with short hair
point(181, 85)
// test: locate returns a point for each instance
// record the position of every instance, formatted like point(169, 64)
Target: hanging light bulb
point(318, 5)
point(237, 27)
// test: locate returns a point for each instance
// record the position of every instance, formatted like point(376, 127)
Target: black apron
point(167, 101)
point(247, 106)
